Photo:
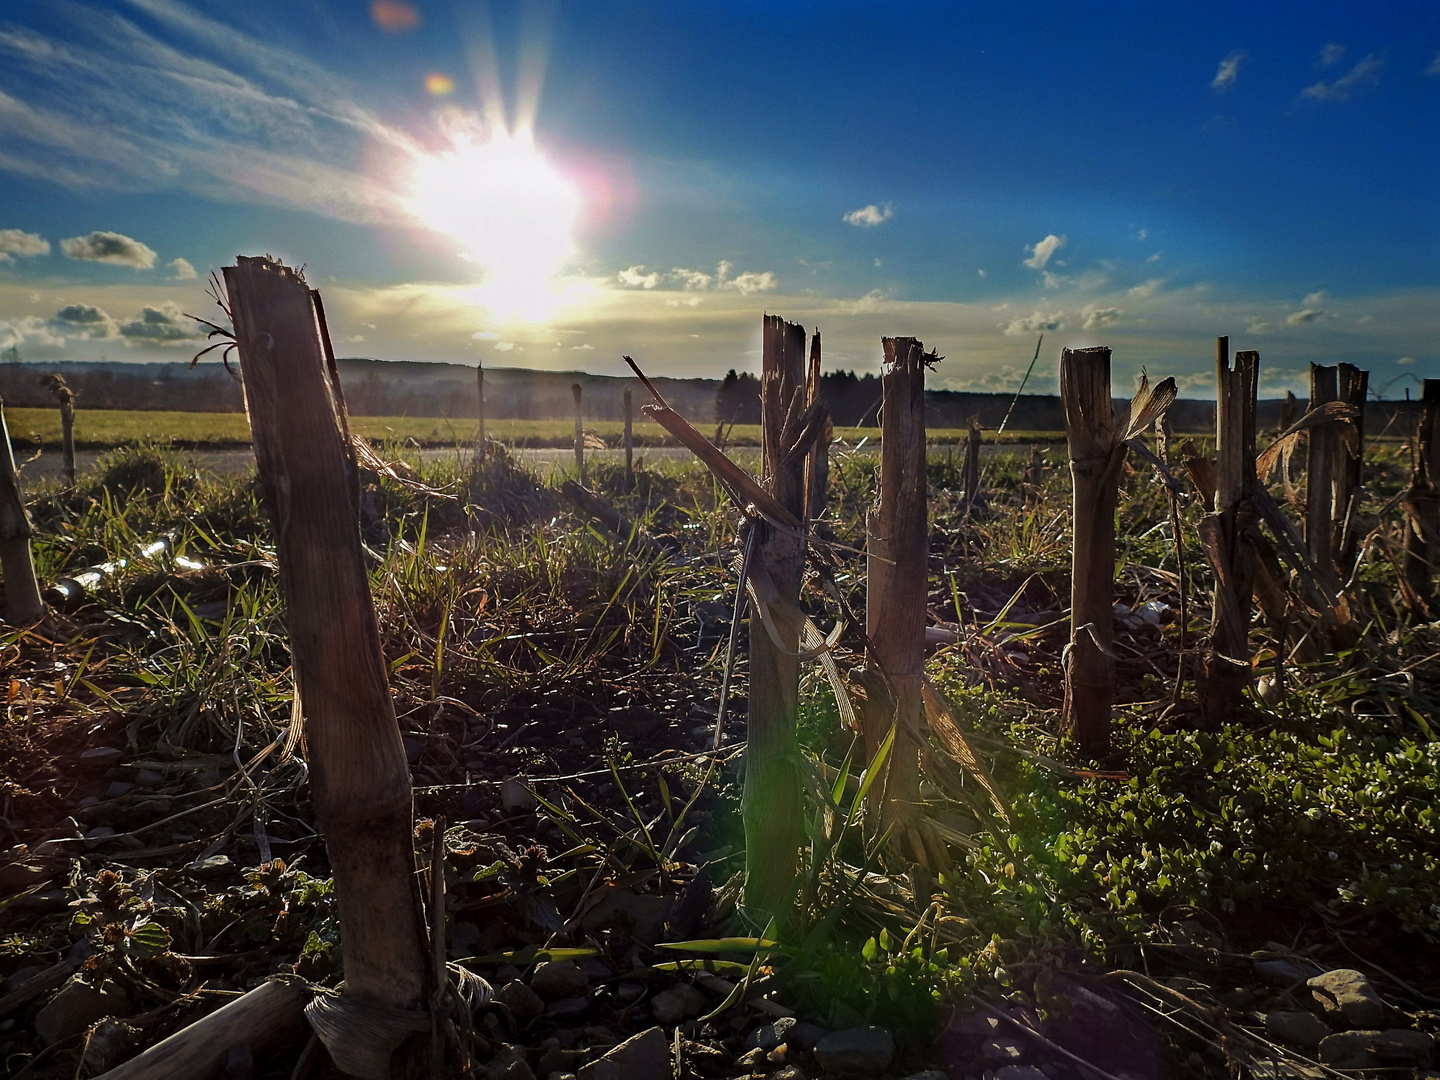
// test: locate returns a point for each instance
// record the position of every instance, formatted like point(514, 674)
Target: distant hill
point(409, 388)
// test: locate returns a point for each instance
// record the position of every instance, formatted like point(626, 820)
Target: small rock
point(78, 1005)
point(805, 1035)
point(557, 1075)
point(1014, 1072)
point(1002, 1050)
point(101, 755)
point(555, 1060)
point(558, 979)
point(515, 796)
point(678, 1003)
point(118, 788)
point(214, 866)
point(110, 1043)
point(1282, 971)
point(520, 999)
point(751, 1059)
point(789, 1072)
point(1403, 1046)
point(570, 1006)
point(1302, 1030)
point(644, 1057)
point(769, 1036)
point(509, 1064)
point(860, 1051)
point(1347, 994)
point(1350, 1050)
point(150, 777)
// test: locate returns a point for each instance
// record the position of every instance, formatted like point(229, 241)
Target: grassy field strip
point(103, 427)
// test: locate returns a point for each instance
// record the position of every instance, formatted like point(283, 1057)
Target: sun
point(511, 211)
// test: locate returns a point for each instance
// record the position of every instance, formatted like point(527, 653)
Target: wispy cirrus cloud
point(1365, 73)
point(1229, 71)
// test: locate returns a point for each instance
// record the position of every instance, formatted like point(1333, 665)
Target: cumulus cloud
point(1036, 322)
point(1365, 73)
point(1228, 72)
point(1406, 360)
point(1304, 315)
point(163, 325)
point(692, 279)
point(181, 270)
point(1040, 253)
point(1146, 288)
point(1332, 54)
point(83, 321)
point(751, 282)
point(1315, 299)
point(1257, 326)
point(15, 242)
point(635, 277)
point(504, 346)
point(109, 247)
point(867, 217)
point(1097, 318)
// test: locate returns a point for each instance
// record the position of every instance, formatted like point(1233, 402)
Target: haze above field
point(551, 185)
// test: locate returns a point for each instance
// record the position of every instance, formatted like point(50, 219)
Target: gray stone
point(1350, 1050)
point(559, 979)
point(768, 1036)
point(509, 1064)
point(1002, 1050)
point(1373, 1049)
point(558, 1075)
point(150, 777)
point(751, 1059)
point(644, 1057)
point(680, 1002)
point(555, 1059)
point(1404, 1046)
point(110, 1043)
point(1283, 971)
point(520, 999)
point(571, 1006)
point(860, 1051)
point(118, 788)
point(805, 1035)
point(1302, 1030)
point(1346, 994)
point(1015, 1072)
point(789, 1072)
point(76, 1006)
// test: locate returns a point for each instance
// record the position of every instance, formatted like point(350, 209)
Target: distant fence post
point(1095, 452)
point(1422, 500)
point(896, 575)
point(480, 410)
point(66, 397)
point(817, 474)
point(1320, 472)
point(1352, 385)
point(971, 469)
point(771, 803)
point(1226, 670)
point(22, 591)
point(579, 433)
point(629, 442)
point(359, 776)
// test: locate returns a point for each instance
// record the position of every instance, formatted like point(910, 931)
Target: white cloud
point(867, 217)
point(1228, 72)
point(1366, 72)
point(688, 301)
point(16, 242)
point(1146, 288)
point(1332, 54)
point(587, 347)
point(163, 325)
point(1036, 322)
point(635, 277)
point(109, 247)
point(1434, 69)
point(1097, 318)
point(82, 321)
point(1141, 234)
point(355, 339)
point(1040, 253)
point(479, 335)
point(692, 279)
point(181, 270)
point(981, 273)
point(751, 282)
point(504, 346)
point(1315, 299)
point(1305, 315)
point(1155, 258)
point(1257, 326)
point(1406, 360)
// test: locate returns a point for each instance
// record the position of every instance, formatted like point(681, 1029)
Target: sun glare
point(511, 212)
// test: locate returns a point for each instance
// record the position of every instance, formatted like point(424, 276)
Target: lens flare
point(511, 211)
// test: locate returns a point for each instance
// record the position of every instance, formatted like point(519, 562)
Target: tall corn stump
point(817, 467)
point(1226, 670)
point(771, 805)
point(1351, 386)
point(1422, 499)
point(576, 390)
point(1320, 460)
point(1096, 453)
point(359, 778)
point(896, 574)
point(22, 592)
point(480, 411)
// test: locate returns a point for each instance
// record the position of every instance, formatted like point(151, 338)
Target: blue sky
point(1145, 176)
